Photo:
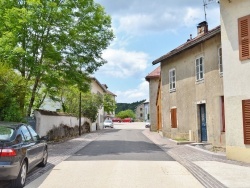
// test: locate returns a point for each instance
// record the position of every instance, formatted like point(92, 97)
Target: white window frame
point(220, 61)
point(199, 69)
point(172, 80)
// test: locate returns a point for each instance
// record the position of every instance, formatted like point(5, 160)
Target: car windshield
point(5, 133)
point(108, 121)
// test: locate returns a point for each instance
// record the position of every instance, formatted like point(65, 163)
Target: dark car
point(147, 124)
point(21, 149)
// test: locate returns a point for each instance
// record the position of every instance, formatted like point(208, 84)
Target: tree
point(126, 114)
point(109, 103)
point(90, 103)
point(48, 41)
point(11, 89)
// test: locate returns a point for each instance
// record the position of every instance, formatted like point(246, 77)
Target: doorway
point(203, 123)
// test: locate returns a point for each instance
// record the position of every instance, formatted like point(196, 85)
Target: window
point(246, 122)
point(173, 118)
point(33, 133)
point(172, 80)
point(199, 69)
point(220, 61)
point(26, 134)
point(244, 37)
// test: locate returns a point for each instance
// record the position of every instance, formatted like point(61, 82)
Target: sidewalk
point(211, 169)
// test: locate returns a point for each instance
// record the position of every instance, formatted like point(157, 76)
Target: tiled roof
point(154, 74)
point(189, 44)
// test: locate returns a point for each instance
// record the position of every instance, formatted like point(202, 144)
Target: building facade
point(191, 91)
point(153, 79)
point(235, 35)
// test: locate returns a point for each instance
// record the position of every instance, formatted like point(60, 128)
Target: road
point(120, 157)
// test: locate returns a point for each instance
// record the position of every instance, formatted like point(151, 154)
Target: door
point(203, 123)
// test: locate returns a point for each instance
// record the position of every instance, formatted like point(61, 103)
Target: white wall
point(236, 78)
point(45, 123)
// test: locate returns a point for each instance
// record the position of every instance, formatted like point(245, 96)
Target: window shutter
point(173, 118)
point(244, 37)
point(246, 120)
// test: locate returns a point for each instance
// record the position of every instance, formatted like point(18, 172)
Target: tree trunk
point(33, 95)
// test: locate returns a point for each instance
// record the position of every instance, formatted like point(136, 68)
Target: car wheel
point(45, 159)
point(21, 178)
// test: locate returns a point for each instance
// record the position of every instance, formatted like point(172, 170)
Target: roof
point(154, 74)
point(98, 83)
point(189, 44)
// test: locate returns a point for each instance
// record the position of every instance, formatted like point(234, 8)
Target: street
point(119, 157)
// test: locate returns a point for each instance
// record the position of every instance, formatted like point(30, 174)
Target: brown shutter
point(244, 37)
point(246, 120)
point(173, 118)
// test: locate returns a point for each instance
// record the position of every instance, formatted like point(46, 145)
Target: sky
point(144, 31)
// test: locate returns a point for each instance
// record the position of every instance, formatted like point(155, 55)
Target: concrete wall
point(45, 123)
point(153, 87)
point(236, 78)
point(189, 93)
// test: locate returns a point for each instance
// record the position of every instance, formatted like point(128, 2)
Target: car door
point(39, 144)
point(29, 146)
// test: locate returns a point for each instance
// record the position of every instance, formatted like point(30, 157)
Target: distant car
point(119, 120)
point(147, 124)
point(128, 120)
point(21, 149)
point(108, 123)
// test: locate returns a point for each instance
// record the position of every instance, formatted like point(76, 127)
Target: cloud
point(146, 17)
point(123, 64)
point(136, 94)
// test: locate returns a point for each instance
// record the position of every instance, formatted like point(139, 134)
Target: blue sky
point(144, 31)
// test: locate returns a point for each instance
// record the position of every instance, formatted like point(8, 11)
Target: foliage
point(126, 106)
point(53, 43)
point(109, 103)
point(12, 87)
point(126, 114)
point(90, 103)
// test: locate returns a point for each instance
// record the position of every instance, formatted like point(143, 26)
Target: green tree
point(11, 89)
point(109, 103)
point(90, 103)
point(48, 41)
point(126, 114)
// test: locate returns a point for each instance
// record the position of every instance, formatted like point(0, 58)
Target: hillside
point(126, 106)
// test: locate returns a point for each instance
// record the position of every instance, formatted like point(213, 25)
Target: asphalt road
point(120, 157)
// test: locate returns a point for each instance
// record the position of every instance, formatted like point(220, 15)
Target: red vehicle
point(119, 120)
point(128, 120)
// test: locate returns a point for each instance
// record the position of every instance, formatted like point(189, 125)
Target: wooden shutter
point(173, 118)
point(244, 37)
point(246, 120)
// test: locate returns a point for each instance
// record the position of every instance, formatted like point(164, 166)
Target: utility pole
point(80, 112)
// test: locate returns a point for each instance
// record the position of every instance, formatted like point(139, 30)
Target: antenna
point(205, 5)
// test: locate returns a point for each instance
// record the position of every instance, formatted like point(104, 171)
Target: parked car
point(147, 124)
point(108, 123)
point(21, 149)
point(119, 120)
point(128, 120)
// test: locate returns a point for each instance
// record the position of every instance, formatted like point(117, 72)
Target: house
point(139, 112)
point(142, 111)
point(98, 88)
point(153, 79)
point(235, 35)
point(190, 93)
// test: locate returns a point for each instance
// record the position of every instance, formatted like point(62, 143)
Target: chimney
point(202, 28)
